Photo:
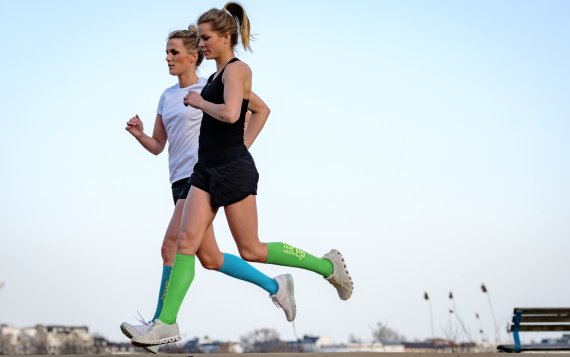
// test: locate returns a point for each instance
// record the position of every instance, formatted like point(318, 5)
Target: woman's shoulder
point(173, 88)
point(238, 67)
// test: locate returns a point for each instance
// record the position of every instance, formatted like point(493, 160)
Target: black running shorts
point(180, 189)
point(228, 175)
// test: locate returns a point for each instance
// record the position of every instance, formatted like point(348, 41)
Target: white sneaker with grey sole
point(135, 330)
point(340, 278)
point(158, 333)
point(285, 296)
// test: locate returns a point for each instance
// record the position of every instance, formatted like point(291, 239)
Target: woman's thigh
point(197, 217)
point(242, 221)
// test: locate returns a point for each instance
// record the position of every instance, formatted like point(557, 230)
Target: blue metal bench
point(537, 320)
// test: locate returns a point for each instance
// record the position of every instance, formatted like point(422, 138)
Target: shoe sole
point(156, 343)
point(291, 293)
point(126, 332)
point(152, 349)
point(345, 268)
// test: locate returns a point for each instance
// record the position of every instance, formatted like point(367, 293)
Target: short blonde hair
point(190, 39)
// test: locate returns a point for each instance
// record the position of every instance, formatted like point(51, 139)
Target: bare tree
point(383, 333)
point(354, 339)
point(262, 340)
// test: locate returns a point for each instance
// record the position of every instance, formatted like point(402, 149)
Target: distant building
point(76, 340)
point(440, 345)
point(55, 340)
point(207, 345)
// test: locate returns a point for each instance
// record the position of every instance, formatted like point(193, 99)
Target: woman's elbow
point(230, 117)
point(266, 111)
point(157, 149)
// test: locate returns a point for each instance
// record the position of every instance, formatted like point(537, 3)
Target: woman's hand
point(135, 126)
point(194, 100)
point(259, 113)
point(155, 143)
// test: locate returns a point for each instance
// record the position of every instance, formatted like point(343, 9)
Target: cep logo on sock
point(296, 252)
point(163, 295)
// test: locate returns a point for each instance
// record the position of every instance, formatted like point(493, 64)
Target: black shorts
point(180, 189)
point(228, 175)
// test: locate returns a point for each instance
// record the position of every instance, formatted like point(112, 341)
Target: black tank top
point(216, 135)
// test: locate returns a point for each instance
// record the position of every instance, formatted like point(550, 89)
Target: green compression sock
point(287, 255)
point(179, 283)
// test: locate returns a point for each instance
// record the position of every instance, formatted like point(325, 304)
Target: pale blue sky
point(426, 140)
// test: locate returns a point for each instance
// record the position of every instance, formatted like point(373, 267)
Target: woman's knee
point(253, 253)
point(211, 262)
point(168, 250)
point(188, 242)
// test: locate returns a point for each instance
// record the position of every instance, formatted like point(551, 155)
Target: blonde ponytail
point(232, 19)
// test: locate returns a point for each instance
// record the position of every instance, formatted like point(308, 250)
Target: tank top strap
point(222, 71)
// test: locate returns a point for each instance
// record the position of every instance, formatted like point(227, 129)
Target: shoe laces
point(142, 320)
point(151, 330)
point(153, 327)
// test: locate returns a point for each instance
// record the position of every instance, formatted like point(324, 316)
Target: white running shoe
point(135, 330)
point(285, 296)
point(340, 278)
point(158, 334)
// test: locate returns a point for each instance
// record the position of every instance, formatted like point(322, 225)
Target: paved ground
point(339, 354)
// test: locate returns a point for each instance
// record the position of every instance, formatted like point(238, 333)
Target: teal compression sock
point(240, 269)
point(166, 270)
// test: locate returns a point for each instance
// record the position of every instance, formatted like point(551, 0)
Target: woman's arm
point(237, 81)
point(259, 114)
point(154, 144)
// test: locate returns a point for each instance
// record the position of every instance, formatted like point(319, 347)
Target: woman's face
point(211, 42)
point(178, 58)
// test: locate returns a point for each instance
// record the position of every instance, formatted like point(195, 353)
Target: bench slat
point(535, 319)
point(544, 328)
point(543, 311)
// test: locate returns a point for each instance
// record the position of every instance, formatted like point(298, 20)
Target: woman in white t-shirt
point(179, 125)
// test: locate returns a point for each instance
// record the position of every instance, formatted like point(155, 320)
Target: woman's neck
point(223, 60)
point(187, 79)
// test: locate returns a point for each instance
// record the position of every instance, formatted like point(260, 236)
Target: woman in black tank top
point(226, 176)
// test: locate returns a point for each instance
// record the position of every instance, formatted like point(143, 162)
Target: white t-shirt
point(182, 126)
